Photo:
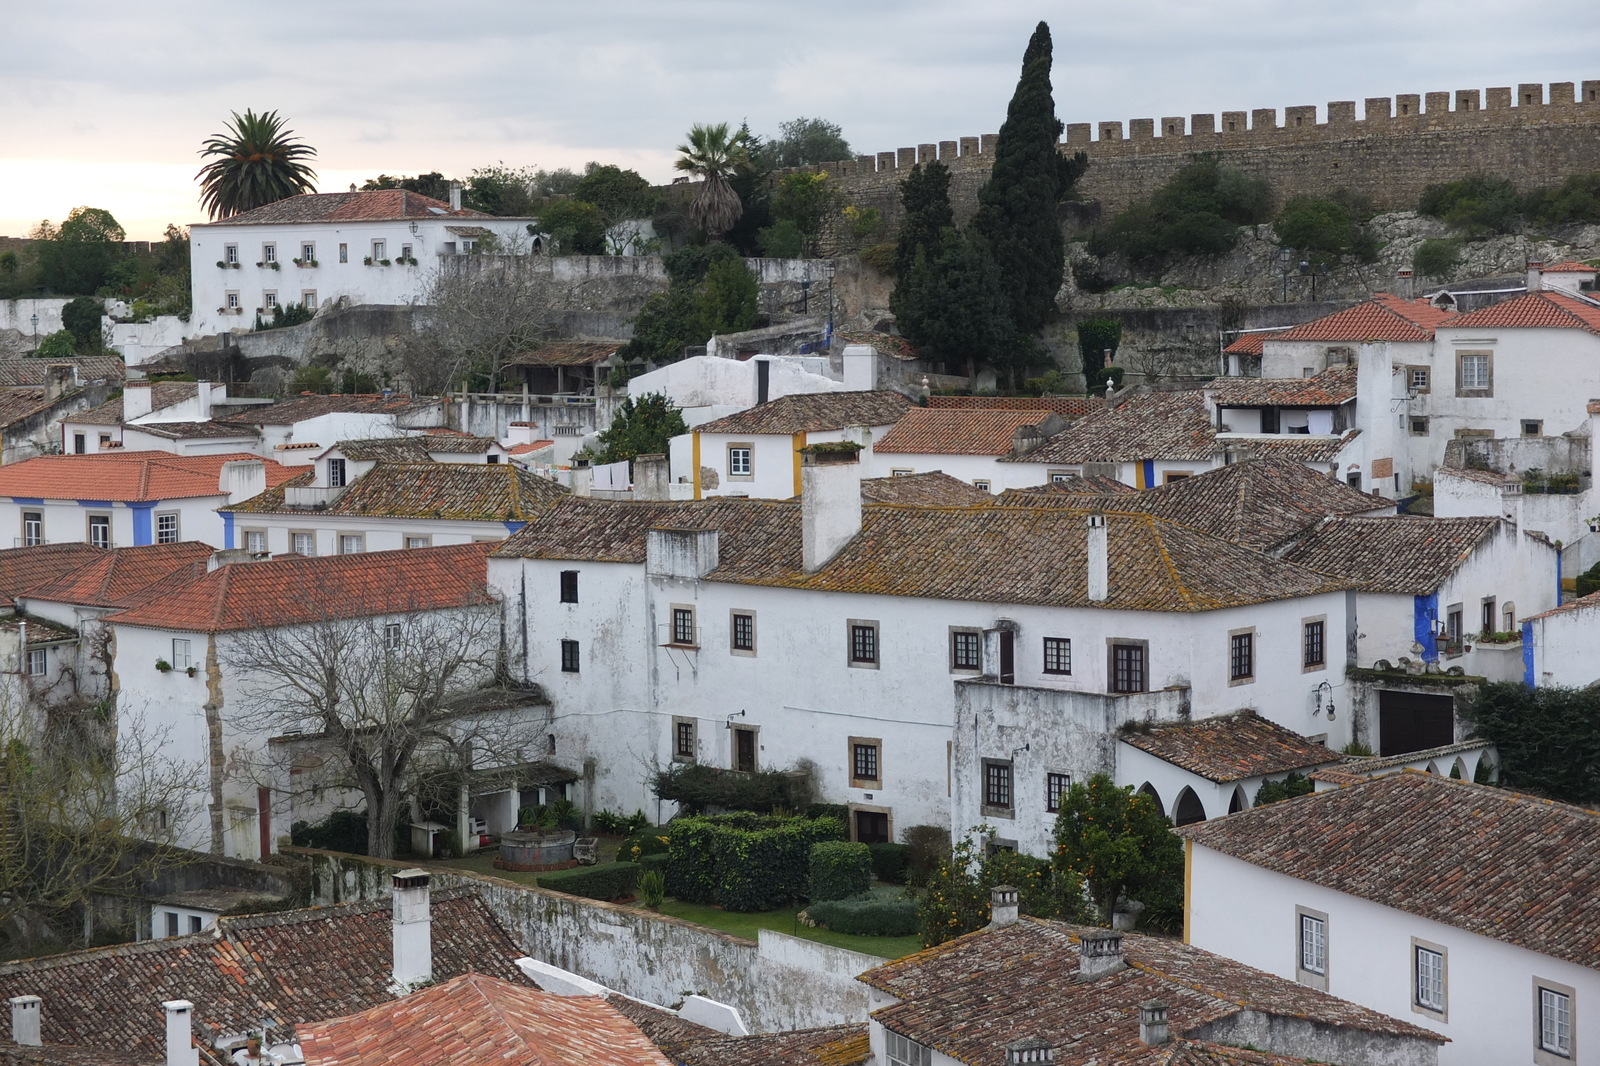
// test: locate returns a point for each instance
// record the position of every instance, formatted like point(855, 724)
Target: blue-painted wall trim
point(227, 529)
point(1149, 473)
point(142, 531)
point(512, 527)
point(1527, 654)
point(28, 500)
point(97, 504)
point(1425, 612)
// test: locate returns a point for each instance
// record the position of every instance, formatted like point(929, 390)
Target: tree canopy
point(257, 161)
point(804, 141)
point(77, 257)
point(925, 200)
point(1119, 844)
point(432, 184)
point(643, 425)
point(1548, 737)
point(1197, 212)
point(710, 291)
point(714, 154)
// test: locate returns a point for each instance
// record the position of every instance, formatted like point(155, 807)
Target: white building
point(169, 416)
point(1561, 646)
point(964, 443)
point(375, 247)
point(1464, 909)
point(309, 424)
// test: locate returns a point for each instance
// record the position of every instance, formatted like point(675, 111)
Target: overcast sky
point(106, 104)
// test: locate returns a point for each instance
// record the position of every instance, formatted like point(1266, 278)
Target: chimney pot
point(1535, 275)
point(413, 930)
point(1097, 556)
point(180, 1033)
point(1099, 953)
point(1030, 1051)
point(455, 196)
point(25, 1030)
point(830, 505)
point(1002, 906)
point(1153, 1028)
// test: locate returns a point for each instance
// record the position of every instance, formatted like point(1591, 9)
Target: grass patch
point(783, 921)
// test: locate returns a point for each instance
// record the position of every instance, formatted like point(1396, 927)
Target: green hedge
point(695, 787)
point(866, 917)
point(648, 841)
point(839, 869)
point(612, 880)
point(743, 861)
point(889, 862)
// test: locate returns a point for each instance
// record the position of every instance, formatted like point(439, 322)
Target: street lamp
point(829, 268)
point(35, 319)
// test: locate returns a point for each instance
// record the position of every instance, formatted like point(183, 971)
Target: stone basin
point(537, 849)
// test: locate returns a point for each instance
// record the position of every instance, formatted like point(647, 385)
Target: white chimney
point(860, 368)
point(1097, 563)
point(1403, 287)
point(180, 1033)
point(650, 477)
point(242, 479)
point(1002, 906)
point(1535, 275)
point(1153, 1028)
point(1099, 953)
point(135, 400)
point(202, 395)
point(830, 505)
point(1030, 1052)
point(413, 930)
point(25, 1021)
point(455, 196)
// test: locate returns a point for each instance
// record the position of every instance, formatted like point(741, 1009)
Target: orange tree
point(1120, 845)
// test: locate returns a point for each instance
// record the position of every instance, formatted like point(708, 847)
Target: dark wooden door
point(744, 750)
point(1008, 658)
point(1414, 721)
point(872, 827)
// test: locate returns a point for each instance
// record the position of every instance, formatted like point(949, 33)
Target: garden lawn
point(783, 921)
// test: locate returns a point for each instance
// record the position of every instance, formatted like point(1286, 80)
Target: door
point(744, 750)
point(1414, 721)
point(1008, 657)
point(872, 827)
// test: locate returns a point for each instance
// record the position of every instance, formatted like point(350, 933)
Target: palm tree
point(257, 163)
point(714, 155)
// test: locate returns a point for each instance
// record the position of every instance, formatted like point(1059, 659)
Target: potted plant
point(275, 265)
point(192, 671)
point(163, 666)
point(222, 265)
point(366, 260)
point(385, 262)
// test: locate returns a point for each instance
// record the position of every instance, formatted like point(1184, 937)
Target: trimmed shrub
point(866, 917)
point(743, 861)
point(613, 880)
point(829, 810)
point(617, 824)
point(648, 841)
point(1588, 581)
point(340, 831)
point(839, 869)
point(889, 862)
point(927, 847)
point(695, 787)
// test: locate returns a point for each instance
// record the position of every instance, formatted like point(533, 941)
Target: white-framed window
point(901, 1051)
point(100, 530)
point(1418, 378)
point(344, 253)
point(1475, 373)
point(255, 541)
point(269, 252)
point(1313, 943)
point(38, 662)
point(405, 251)
point(998, 794)
point(742, 632)
point(1056, 786)
point(1057, 477)
point(230, 254)
point(966, 649)
point(391, 636)
point(1429, 987)
point(308, 252)
point(380, 250)
point(181, 659)
point(424, 542)
point(352, 544)
point(981, 483)
point(741, 460)
point(863, 647)
point(336, 473)
point(32, 528)
point(308, 299)
point(269, 299)
point(167, 527)
point(1057, 655)
point(469, 244)
point(901, 471)
point(231, 300)
point(303, 542)
point(1554, 1032)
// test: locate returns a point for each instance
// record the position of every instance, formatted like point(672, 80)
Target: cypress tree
point(1017, 205)
point(925, 201)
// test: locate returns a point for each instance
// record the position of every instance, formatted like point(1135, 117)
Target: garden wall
point(781, 983)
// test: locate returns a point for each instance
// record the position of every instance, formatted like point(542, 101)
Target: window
point(1127, 667)
point(1417, 378)
point(1553, 1038)
point(1532, 427)
point(269, 253)
point(79, 444)
point(740, 463)
point(863, 643)
point(231, 300)
point(1419, 427)
point(1488, 616)
point(100, 530)
point(255, 541)
point(303, 543)
point(1353, 479)
point(903, 1052)
point(32, 528)
point(336, 473)
point(1313, 944)
point(1242, 656)
point(196, 923)
point(996, 786)
point(1057, 655)
point(1313, 643)
point(901, 471)
point(1058, 477)
point(38, 662)
point(1508, 614)
point(1055, 787)
point(469, 245)
point(105, 440)
point(380, 250)
point(308, 252)
point(172, 923)
point(421, 542)
point(391, 636)
point(569, 586)
point(966, 649)
point(1175, 475)
point(352, 544)
point(1427, 977)
point(230, 254)
point(344, 253)
point(180, 654)
point(405, 251)
point(1453, 629)
point(569, 656)
point(167, 528)
point(685, 743)
point(1474, 374)
point(865, 753)
point(683, 628)
point(742, 633)
point(308, 299)
point(981, 483)
point(269, 300)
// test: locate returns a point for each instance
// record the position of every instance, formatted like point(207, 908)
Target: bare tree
point(478, 311)
point(391, 698)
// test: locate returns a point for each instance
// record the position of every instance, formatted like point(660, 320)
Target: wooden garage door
point(1413, 721)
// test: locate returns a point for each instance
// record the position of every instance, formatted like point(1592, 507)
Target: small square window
point(901, 471)
point(380, 250)
point(391, 636)
point(1428, 982)
point(1313, 643)
point(966, 649)
point(231, 301)
point(308, 299)
point(269, 300)
point(569, 586)
point(1055, 790)
point(419, 542)
point(1419, 427)
point(1057, 655)
point(740, 460)
point(255, 541)
point(230, 253)
point(981, 483)
point(1242, 656)
point(167, 528)
point(1417, 378)
point(569, 656)
point(1059, 477)
point(742, 633)
point(38, 662)
point(308, 253)
point(405, 251)
point(863, 643)
point(1532, 427)
point(997, 786)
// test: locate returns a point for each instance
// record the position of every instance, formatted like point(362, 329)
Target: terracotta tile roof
point(1300, 447)
point(375, 205)
point(30, 371)
point(924, 431)
point(1064, 488)
point(567, 353)
point(196, 430)
point(1486, 477)
point(529, 446)
point(885, 344)
point(1030, 555)
point(24, 568)
point(18, 404)
point(1534, 864)
point(932, 489)
point(969, 997)
point(1065, 406)
point(40, 631)
point(1358, 769)
point(1406, 554)
point(125, 476)
point(473, 1020)
point(275, 592)
point(1258, 503)
point(1332, 387)
point(122, 577)
point(1535, 310)
point(1160, 425)
point(299, 408)
point(453, 443)
point(1382, 318)
point(835, 1045)
point(1253, 343)
point(63, 1055)
point(1582, 603)
point(291, 967)
point(814, 412)
point(664, 1028)
point(470, 492)
point(383, 450)
point(1230, 747)
point(163, 394)
point(1569, 266)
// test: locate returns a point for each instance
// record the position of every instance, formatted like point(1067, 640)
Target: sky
point(106, 104)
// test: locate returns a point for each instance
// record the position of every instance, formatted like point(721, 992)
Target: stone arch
point(1459, 771)
point(1188, 809)
point(1147, 789)
point(1239, 801)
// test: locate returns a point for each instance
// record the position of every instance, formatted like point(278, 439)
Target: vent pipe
point(1099, 953)
point(1098, 562)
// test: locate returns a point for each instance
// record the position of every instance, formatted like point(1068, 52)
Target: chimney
point(830, 504)
point(413, 930)
point(242, 479)
point(1099, 953)
point(1097, 562)
point(860, 367)
point(1535, 275)
point(1030, 1052)
point(1002, 906)
point(25, 1021)
point(455, 196)
point(180, 1033)
point(135, 400)
point(1403, 284)
point(1153, 1027)
point(202, 393)
point(650, 477)
point(58, 380)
